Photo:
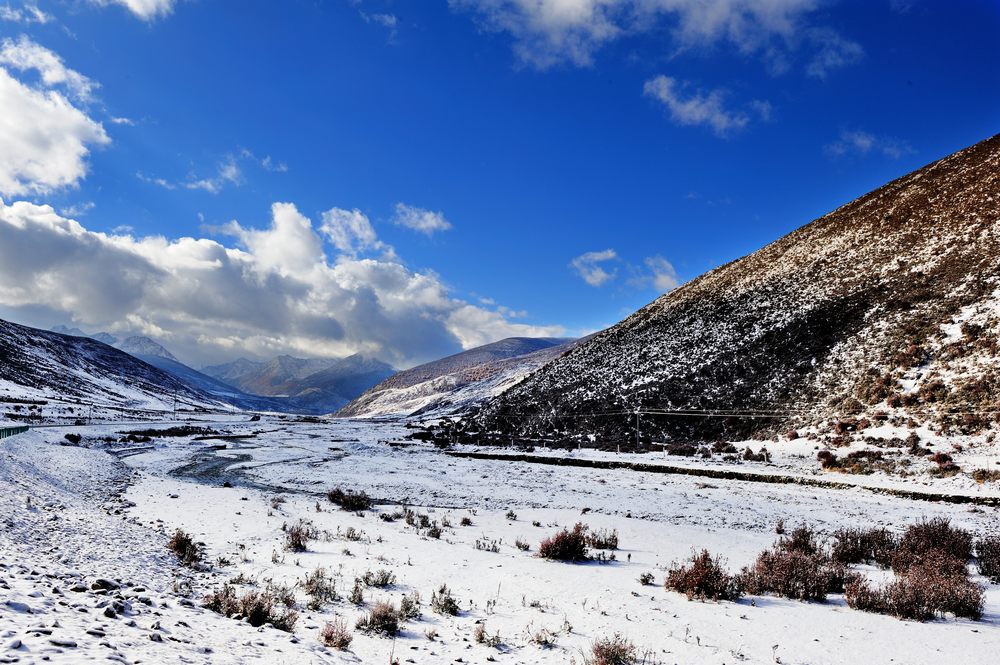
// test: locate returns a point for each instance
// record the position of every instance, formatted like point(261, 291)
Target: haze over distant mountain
point(314, 385)
point(888, 307)
point(459, 381)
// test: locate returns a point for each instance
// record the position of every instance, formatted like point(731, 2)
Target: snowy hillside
point(882, 311)
point(458, 382)
point(40, 365)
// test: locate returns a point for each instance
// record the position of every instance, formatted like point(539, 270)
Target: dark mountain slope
point(47, 364)
point(886, 306)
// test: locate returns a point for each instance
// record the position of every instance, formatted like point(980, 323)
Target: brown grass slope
point(844, 316)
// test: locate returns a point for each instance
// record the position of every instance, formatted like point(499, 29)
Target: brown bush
point(704, 578)
point(988, 557)
point(188, 552)
point(602, 539)
point(382, 619)
point(443, 602)
point(257, 607)
point(336, 635)
point(873, 546)
point(926, 590)
point(350, 500)
point(929, 535)
point(615, 650)
point(793, 574)
point(566, 545)
point(298, 535)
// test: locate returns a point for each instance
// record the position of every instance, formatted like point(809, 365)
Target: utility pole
point(637, 444)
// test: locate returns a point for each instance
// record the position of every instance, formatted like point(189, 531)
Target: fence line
point(11, 431)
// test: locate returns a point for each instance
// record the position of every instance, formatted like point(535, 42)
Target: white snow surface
point(75, 514)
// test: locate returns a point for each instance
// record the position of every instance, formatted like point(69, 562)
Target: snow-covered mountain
point(887, 308)
point(458, 382)
point(311, 385)
point(49, 365)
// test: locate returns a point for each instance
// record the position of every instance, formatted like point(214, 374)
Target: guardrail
point(11, 431)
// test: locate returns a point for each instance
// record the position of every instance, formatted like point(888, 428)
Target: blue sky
point(565, 161)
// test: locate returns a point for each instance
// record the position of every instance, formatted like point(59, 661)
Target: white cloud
point(855, 142)
point(350, 231)
point(25, 55)
point(551, 32)
point(663, 276)
point(277, 291)
point(588, 266)
point(44, 138)
point(425, 221)
point(697, 107)
point(147, 10)
point(29, 13)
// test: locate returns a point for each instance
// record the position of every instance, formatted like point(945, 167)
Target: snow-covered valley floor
point(72, 516)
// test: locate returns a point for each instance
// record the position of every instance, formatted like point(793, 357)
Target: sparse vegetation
point(872, 546)
point(321, 588)
point(603, 539)
point(298, 535)
point(988, 557)
point(380, 578)
point(256, 607)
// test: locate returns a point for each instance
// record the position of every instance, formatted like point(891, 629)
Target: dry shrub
point(321, 588)
point(350, 500)
point(257, 607)
point(382, 619)
point(336, 635)
point(704, 578)
point(872, 546)
point(985, 475)
point(380, 578)
point(298, 535)
point(927, 589)
point(796, 567)
point(409, 607)
point(566, 545)
point(929, 535)
point(602, 539)
point(614, 650)
point(187, 551)
point(443, 602)
point(988, 557)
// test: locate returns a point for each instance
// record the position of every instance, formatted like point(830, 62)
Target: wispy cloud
point(25, 55)
point(689, 106)
point(861, 143)
point(28, 13)
point(228, 172)
point(547, 33)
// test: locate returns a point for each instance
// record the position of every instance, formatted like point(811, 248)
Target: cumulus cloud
point(275, 290)
point(425, 221)
point(590, 269)
point(147, 10)
point(551, 32)
point(698, 107)
point(861, 143)
point(44, 138)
